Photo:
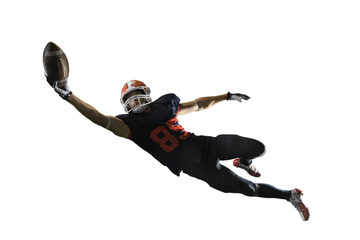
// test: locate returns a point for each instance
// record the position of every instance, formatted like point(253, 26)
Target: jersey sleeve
point(172, 101)
point(125, 117)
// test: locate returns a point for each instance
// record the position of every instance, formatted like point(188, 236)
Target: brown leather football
point(56, 65)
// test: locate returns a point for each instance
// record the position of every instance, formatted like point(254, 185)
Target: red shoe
point(296, 201)
point(250, 169)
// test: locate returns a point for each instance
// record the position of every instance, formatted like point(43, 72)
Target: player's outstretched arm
point(56, 69)
point(115, 125)
point(203, 103)
point(200, 104)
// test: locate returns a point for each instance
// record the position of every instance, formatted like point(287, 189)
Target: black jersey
point(158, 131)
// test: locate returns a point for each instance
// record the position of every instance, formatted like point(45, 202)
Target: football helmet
point(138, 102)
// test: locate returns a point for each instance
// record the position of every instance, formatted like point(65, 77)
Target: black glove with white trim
point(64, 91)
point(237, 96)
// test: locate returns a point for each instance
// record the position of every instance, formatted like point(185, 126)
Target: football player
point(154, 127)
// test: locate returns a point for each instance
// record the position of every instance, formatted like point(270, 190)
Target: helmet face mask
point(137, 102)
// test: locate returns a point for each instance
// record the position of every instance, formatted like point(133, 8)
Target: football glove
point(237, 96)
point(64, 91)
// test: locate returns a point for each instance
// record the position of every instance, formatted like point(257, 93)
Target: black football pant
point(210, 150)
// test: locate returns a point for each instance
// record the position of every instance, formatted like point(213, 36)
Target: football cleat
point(296, 201)
point(250, 169)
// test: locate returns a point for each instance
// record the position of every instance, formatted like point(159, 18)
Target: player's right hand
point(64, 91)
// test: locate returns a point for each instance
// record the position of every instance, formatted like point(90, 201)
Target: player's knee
point(260, 148)
point(251, 190)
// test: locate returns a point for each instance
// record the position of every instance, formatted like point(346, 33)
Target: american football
point(56, 65)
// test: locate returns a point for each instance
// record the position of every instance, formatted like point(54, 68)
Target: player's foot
point(295, 200)
point(250, 169)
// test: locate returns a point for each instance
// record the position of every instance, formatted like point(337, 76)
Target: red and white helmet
point(136, 103)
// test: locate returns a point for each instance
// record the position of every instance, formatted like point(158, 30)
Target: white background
point(62, 177)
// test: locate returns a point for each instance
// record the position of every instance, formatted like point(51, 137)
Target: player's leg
point(233, 146)
point(225, 180)
point(242, 149)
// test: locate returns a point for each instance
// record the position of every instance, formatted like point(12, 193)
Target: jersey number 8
point(167, 141)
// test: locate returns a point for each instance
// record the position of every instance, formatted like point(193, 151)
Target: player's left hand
point(237, 96)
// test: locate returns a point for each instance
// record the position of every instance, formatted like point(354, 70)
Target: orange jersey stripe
point(173, 125)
